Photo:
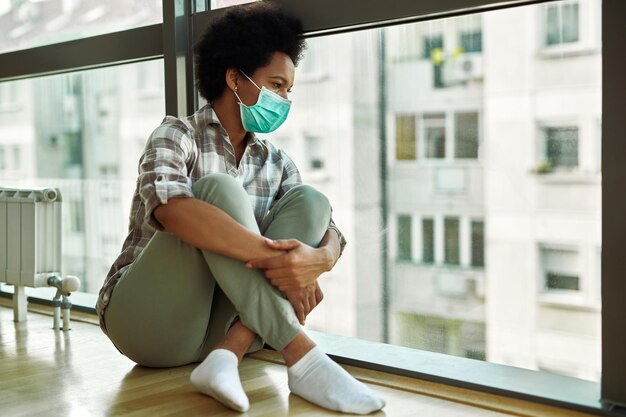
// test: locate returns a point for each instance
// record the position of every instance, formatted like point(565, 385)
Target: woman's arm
point(207, 227)
point(302, 265)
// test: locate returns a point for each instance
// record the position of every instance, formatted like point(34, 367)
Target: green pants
point(175, 302)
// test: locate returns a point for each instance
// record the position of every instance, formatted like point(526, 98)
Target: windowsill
point(468, 268)
point(567, 50)
point(569, 177)
point(537, 386)
point(438, 162)
point(574, 301)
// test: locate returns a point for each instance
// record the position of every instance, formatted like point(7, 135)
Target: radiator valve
point(60, 302)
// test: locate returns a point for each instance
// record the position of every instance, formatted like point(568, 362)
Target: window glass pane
point(452, 246)
point(562, 23)
point(83, 132)
point(404, 238)
point(478, 243)
point(435, 142)
point(466, 135)
point(471, 41)
point(428, 240)
point(405, 137)
point(26, 24)
point(454, 190)
point(560, 268)
point(431, 44)
point(562, 146)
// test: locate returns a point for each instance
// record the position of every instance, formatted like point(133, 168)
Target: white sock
point(316, 378)
point(218, 377)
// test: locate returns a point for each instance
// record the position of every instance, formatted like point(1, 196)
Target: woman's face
point(277, 76)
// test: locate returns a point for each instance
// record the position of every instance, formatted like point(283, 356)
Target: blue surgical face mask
point(269, 112)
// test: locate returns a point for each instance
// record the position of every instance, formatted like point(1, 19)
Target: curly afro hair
point(245, 37)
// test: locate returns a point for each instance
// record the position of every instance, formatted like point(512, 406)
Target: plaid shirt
point(177, 154)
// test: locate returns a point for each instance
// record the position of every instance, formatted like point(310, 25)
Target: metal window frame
point(172, 41)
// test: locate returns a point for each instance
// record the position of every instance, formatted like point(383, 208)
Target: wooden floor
point(79, 373)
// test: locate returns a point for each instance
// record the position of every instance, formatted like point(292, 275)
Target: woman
point(225, 245)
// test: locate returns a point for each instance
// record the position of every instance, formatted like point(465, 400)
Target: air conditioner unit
point(467, 67)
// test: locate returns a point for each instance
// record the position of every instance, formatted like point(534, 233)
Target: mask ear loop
point(250, 79)
point(238, 98)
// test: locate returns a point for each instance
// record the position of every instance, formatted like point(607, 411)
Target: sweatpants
point(176, 302)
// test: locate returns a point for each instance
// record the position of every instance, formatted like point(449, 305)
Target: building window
point(561, 144)
point(428, 241)
point(452, 247)
point(430, 43)
point(404, 237)
point(560, 269)
point(315, 151)
point(471, 41)
point(435, 135)
point(478, 243)
point(562, 23)
point(405, 137)
point(466, 135)
point(432, 49)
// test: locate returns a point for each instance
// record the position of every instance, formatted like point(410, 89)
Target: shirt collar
point(211, 118)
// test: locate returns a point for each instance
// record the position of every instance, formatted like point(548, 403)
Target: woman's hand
point(304, 300)
point(298, 268)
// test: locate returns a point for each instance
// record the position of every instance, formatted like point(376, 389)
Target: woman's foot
point(316, 378)
point(218, 377)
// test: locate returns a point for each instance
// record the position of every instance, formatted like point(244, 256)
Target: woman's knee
point(220, 190)
point(212, 182)
point(313, 199)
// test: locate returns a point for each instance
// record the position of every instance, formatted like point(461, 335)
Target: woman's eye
point(276, 85)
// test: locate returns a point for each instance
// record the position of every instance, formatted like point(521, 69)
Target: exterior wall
point(529, 87)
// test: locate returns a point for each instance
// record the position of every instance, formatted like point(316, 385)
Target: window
point(560, 269)
point(314, 151)
point(435, 133)
point(432, 49)
point(562, 23)
point(26, 24)
point(405, 137)
point(497, 187)
point(404, 238)
point(466, 135)
point(78, 140)
point(561, 146)
point(478, 243)
point(428, 241)
point(452, 238)
point(430, 44)
point(471, 41)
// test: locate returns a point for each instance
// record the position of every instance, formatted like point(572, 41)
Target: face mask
point(269, 112)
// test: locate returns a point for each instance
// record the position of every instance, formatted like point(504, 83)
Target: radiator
point(30, 240)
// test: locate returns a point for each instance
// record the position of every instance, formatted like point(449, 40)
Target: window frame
point(171, 40)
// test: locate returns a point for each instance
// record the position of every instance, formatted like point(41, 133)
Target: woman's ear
point(232, 78)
